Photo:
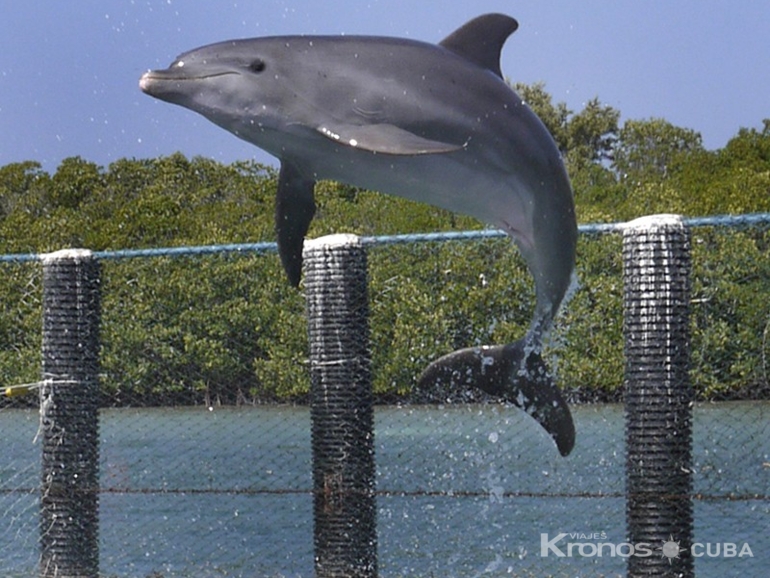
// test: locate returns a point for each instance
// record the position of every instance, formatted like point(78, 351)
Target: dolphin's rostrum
point(433, 123)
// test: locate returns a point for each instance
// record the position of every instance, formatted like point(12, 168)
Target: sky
point(69, 71)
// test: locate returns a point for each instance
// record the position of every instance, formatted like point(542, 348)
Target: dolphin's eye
point(257, 65)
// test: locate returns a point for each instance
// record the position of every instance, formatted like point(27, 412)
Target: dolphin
point(433, 123)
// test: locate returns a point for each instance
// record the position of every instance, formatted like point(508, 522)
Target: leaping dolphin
point(433, 123)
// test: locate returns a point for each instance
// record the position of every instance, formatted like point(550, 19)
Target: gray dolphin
point(433, 123)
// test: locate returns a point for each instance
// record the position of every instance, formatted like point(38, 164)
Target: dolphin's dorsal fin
point(481, 40)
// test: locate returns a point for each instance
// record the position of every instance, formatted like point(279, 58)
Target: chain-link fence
point(206, 454)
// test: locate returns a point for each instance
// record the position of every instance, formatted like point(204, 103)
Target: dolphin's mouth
point(154, 78)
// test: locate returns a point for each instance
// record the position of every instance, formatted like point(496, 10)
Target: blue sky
point(69, 71)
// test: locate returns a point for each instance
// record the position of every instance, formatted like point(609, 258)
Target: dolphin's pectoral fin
point(385, 139)
point(514, 372)
point(294, 209)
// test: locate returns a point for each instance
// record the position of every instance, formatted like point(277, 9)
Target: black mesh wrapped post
point(658, 395)
point(342, 414)
point(69, 425)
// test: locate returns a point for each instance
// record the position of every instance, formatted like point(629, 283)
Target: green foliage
point(196, 328)
point(228, 328)
point(555, 117)
point(20, 324)
point(731, 311)
point(430, 299)
point(586, 137)
point(588, 338)
point(649, 150)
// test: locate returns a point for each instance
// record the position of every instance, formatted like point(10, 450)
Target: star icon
point(671, 549)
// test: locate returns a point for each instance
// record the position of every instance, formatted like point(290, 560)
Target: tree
point(586, 137)
point(21, 187)
point(647, 150)
point(749, 149)
point(554, 116)
point(592, 134)
point(74, 180)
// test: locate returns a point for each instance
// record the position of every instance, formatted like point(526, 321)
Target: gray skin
point(433, 123)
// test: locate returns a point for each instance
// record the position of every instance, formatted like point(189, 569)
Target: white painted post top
point(66, 254)
point(654, 222)
point(337, 240)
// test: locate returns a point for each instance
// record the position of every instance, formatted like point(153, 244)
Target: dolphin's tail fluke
point(516, 373)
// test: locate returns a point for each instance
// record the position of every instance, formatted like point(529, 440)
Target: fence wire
point(205, 428)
